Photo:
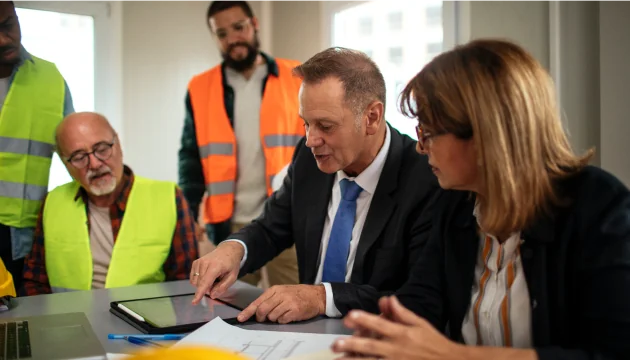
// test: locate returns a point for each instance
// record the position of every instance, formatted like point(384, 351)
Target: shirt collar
point(127, 179)
point(368, 178)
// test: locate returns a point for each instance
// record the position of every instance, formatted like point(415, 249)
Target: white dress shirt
point(250, 189)
point(368, 179)
point(499, 312)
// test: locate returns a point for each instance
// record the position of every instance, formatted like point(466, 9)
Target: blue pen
point(143, 342)
point(147, 336)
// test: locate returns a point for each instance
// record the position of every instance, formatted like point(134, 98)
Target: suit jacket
point(395, 229)
point(576, 260)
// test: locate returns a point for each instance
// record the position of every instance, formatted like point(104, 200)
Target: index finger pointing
point(205, 284)
point(251, 309)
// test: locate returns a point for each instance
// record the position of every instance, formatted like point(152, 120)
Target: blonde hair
point(496, 92)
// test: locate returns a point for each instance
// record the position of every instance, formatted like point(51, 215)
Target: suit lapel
point(460, 269)
point(381, 207)
point(320, 191)
point(534, 257)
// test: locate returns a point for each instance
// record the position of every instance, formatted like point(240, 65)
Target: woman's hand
point(397, 334)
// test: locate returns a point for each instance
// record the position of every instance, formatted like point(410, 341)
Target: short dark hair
point(218, 6)
point(362, 80)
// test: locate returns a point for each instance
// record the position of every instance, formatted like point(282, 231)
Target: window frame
point(107, 17)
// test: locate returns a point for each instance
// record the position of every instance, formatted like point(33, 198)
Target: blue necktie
point(341, 233)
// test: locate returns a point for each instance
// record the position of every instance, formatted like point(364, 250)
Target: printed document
point(260, 345)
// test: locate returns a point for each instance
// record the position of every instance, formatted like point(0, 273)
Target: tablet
point(172, 313)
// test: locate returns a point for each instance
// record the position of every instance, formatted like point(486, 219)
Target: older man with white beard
point(108, 228)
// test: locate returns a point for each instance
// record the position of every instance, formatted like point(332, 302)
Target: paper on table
point(321, 355)
point(258, 345)
point(109, 356)
point(112, 356)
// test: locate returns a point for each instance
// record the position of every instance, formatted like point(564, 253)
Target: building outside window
point(399, 48)
point(434, 16)
point(365, 26)
point(395, 21)
point(396, 55)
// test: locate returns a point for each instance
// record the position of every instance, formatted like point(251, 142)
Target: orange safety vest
point(280, 130)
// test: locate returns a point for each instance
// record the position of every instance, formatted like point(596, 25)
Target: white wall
point(579, 74)
point(528, 23)
point(297, 29)
point(615, 87)
point(525, 22)
point(164, 45)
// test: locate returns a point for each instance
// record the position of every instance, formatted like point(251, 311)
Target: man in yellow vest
point(108, 228)
point(240, 130)
point(34, 98)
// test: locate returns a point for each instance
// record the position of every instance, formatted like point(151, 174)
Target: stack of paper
point(262, 345)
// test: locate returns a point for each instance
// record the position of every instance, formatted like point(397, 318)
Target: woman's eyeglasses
point(424, 136)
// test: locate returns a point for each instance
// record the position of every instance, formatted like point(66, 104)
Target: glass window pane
point(365, 26)
point(433, 49)
point(395, 45)
point(396, 55)
point(434, 16)
point(68, 41)
point(395, 21)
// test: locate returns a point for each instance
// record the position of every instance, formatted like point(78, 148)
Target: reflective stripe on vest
point(280, 130)
point(32, 110)
point(141, 247)
point(22, 191)
point(272, 141)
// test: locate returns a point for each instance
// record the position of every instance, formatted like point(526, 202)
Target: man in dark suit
point(355, 202)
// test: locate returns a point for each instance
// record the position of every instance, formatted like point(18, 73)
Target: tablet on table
point(172, 314)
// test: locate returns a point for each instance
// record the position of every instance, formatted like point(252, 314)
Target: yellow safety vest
point(32, 110)
point(140, 250)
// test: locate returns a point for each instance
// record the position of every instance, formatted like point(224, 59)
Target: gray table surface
point(95, 305)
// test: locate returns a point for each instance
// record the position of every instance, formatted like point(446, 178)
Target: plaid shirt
point(177, 266)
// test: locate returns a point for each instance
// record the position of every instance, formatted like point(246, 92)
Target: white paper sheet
point(321, 355)
point(256, 344)
point(109, 356)
point(112, 356)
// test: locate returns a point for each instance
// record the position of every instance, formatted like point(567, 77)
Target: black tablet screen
point(179, 310)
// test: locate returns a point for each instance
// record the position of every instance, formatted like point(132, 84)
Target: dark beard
point(248, 61)
point(10, 62)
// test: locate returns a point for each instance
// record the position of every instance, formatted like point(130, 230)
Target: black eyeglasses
point(102, 151)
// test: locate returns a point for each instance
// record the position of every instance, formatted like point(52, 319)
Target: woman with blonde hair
point(529, 255)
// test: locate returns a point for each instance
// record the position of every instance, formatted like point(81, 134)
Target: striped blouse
point(499, 313)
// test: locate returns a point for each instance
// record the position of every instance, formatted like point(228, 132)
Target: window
point(398, 47)
point(395, 21)
point(434, 16)
point(400, 86)
point(433, 49)
point(74, 57)
point(396, 56)
point(365, 26)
